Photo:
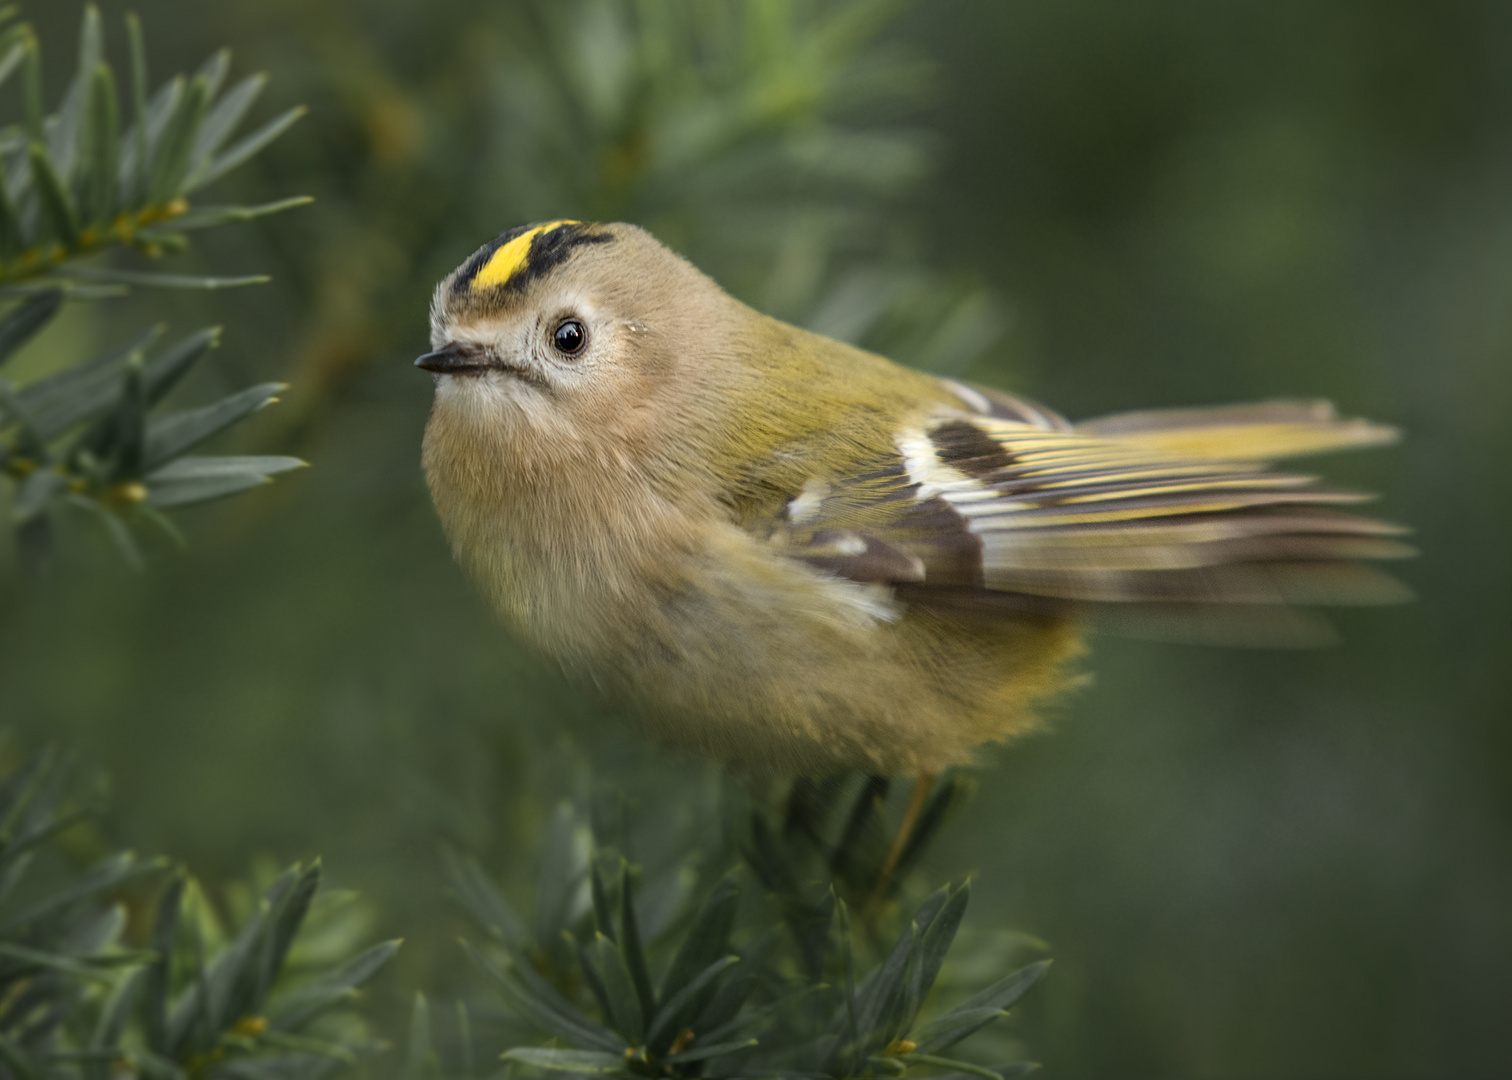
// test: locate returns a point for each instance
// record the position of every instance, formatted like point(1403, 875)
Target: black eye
point(569, 337)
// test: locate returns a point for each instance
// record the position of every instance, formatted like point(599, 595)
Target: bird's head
point(570, 329)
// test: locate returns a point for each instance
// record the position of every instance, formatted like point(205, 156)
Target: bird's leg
point(916, 799)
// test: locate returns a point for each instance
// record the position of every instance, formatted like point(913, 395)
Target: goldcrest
point(797, 557)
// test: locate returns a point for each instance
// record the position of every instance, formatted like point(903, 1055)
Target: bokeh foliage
point(74, 183)
point(1248, 863)
point(78, 1002)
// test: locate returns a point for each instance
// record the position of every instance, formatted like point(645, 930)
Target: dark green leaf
point(586, 1062)
point(882, 992)
point(37, 837)
point(95, 931)
point(161, 281)
point(125, 544)
point(688, 1001)
point(419, 1059)
point(72, 290)
point(620, 998)
point(18, 1061)
point(703, 1053)
point(856, 856)
point(65, 127)
point(104, 876)
point(764, 1013)
point(23, 321)
point(925, 915)
point(708, 939)
point(135, 160)
point(947, 1030)
point(298, 1065)
point(128, 437)
point(161, 107)
point(112, 1023)
point(963, 1067)
point(31, 90)
point(99, 150)
point(214, 71)
point(731, 992)
point(338, 986)
point(11, 241)
point(22, 797)
point(57, 207)
point(32, 960)
point(29, 443)
point(211, 468)
point(91, 41)
point(465, 1040)
point(602, 920)
point(562, 869)
point(1005, 992)
point(482, 899)
point(12, 52)
point(222, 119)
point(938, 934)
point(848, 966)
point(61, 401)
point(172, 153)
point(631, 948)
point(205, 217)
point(156, 985)
point(168, 367)
point(1013, 1070)
point(310, 1044)
point(224, 989)
point(177, 433)
point(541, 1002)
point(247, 147)
point(153, 516)
point(35, 493)
point(287, 916)
point(810, 924)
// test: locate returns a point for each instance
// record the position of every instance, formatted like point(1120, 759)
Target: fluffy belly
point(772, 668)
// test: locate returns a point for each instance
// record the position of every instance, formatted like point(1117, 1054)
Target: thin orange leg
point(916, 800)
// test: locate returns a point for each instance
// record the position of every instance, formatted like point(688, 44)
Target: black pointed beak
point(454, 360)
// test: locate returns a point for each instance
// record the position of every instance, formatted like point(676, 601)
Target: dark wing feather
point(1021, 516)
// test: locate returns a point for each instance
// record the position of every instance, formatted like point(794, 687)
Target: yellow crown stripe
point(510, 257)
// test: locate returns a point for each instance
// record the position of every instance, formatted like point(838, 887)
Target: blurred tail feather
point(1266, 431)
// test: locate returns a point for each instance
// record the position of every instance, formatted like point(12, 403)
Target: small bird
point(799, 558)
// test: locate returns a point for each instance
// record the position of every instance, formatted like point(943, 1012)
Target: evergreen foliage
point(79, 1002)
point(770, 142)
point(73, 184)
point(733, 962)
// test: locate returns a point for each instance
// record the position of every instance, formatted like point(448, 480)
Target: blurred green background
point(1245, 863)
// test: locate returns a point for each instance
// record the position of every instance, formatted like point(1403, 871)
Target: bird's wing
point(1149, 514)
